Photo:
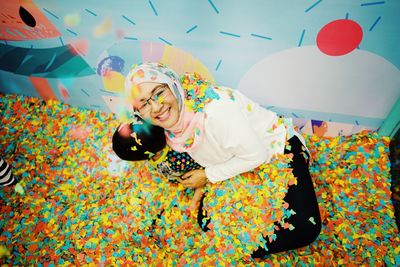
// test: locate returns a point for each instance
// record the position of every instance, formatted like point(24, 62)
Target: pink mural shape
point(22, 20)
point(152, 51)
point(339, 37)
point(177, 59)
point(63, 92)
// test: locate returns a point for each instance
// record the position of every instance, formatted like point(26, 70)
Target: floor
point(78, 204)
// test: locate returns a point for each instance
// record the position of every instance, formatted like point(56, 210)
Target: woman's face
point(156, 103)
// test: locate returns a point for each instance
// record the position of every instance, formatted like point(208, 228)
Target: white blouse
point(239, 135)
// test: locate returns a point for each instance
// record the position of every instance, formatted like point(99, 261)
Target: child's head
point(138, 140)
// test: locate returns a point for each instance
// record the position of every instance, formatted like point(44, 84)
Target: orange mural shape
point(22, 20)
point(43, 88)
point(320, 130)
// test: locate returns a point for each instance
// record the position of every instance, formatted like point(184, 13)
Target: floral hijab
point(187, 133)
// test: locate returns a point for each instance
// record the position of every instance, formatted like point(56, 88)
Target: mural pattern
point(330, 61)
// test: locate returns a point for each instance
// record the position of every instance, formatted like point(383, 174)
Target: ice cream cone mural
point(330, 79)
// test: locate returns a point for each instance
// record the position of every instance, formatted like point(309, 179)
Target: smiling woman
point(166, 109)
point(228, 134)
point(157, 103)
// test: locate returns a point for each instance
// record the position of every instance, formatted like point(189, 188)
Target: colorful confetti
point(75, 211)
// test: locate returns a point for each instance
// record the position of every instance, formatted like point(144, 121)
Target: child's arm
point(198, 193)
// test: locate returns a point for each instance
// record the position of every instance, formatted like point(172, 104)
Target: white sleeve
point(232, 130)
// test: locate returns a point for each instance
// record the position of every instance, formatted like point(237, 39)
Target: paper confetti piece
point(249, 107)
point(4, 252)
point(19, 189)
point(160, 99)
point(137, 140)
point(150, 154)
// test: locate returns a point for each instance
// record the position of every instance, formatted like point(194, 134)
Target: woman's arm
point(232, 130)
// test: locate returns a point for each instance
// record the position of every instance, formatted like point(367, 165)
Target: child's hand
point(198, 193)
point(194, 179)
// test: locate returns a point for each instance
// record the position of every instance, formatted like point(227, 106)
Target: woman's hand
point(194, 179)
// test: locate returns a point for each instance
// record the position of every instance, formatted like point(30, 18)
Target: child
point(143, 141)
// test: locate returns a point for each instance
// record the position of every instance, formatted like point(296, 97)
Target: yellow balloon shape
point(114, 82)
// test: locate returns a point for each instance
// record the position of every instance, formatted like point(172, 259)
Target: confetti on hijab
point(76, 211)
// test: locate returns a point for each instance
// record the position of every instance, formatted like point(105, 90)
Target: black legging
point(301, 199)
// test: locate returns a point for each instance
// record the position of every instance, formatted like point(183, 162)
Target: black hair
point(149, 140)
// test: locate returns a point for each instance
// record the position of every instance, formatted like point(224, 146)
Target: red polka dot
point(339, 37)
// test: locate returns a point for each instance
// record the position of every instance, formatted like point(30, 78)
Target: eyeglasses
point(157, 97)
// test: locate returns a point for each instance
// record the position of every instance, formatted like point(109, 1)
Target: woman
point(228, 134)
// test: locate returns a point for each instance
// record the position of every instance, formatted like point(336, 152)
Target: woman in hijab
point(228, 134)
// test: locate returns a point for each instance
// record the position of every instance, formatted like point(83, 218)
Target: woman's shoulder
point(223, 105)
point(229, 99)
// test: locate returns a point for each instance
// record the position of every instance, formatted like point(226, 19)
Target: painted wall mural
point(23, 20)
point(331, 65)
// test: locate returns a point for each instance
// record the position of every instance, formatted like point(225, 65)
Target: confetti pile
point(78, 204)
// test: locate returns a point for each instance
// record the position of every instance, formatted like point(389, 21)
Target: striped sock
point(6, 176)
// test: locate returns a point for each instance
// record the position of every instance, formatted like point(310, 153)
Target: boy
point(143, 141)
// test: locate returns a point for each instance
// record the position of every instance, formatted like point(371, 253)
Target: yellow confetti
point(138, 141)
point(161, 99)
point(4, 252)
point(249, 108)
